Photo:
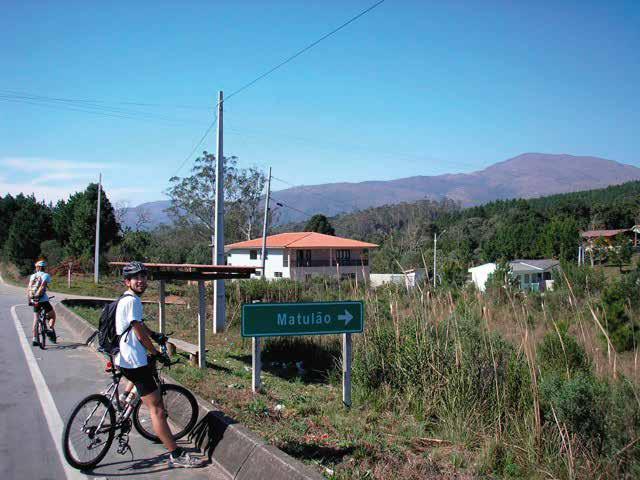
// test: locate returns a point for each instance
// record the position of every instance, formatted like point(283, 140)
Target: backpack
point(108, 339)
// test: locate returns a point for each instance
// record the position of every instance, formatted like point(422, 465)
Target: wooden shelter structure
point(163, 272)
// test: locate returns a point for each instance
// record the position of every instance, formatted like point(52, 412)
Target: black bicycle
point(42, 329)
point(95, 420)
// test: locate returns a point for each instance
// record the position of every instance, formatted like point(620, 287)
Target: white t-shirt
point(132, 353)
point(36, 280)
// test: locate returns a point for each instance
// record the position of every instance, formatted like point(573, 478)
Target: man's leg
point(153, 402)
point(34, 338)
point(52, 318)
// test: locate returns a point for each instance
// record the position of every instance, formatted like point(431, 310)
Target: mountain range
point(525, 176)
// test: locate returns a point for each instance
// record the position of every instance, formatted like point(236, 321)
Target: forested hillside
point(544, 227)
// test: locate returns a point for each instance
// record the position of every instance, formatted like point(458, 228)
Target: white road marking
point(51, 414)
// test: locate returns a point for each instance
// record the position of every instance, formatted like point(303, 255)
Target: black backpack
point(108, 339)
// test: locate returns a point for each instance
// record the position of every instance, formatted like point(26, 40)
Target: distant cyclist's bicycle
point(95, 420)
point(42, 329)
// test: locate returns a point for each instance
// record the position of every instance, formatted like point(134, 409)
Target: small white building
point(408, 278)
point(532, 275)
point(303, 255)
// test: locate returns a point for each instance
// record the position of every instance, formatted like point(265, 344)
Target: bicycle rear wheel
point(42, 329)
point(182, 413)
point(87, 437)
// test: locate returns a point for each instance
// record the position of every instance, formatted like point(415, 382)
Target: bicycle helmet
point(133, 268)
point(41, 263)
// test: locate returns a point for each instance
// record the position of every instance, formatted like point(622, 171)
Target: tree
point(81, 210)
point(30, 227)
point(193, 198)
point(319, 223)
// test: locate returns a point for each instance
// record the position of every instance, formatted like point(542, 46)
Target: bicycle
point(42, 329)
point(94, 421)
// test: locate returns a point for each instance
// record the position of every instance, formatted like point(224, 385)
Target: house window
point(347, 276)
point(526, 278)
point(277, 274)
point(253, 254)
point(365, 257)
point(285, 259)
point(343, 255)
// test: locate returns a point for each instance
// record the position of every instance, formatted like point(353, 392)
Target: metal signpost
point(313, 318)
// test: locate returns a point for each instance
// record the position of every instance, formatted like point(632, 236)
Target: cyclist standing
point(37, 293)
point(135, 345)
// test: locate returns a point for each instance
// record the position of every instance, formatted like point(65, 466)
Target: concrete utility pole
point(96, 261)
point(435, 249)
point(219, 310)
point(264, 225)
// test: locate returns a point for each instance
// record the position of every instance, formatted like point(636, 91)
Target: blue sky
point(411, 88)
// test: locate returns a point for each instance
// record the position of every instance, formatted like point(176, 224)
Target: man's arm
point(141, 331)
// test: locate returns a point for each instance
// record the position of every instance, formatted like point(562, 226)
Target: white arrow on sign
point(347, 317)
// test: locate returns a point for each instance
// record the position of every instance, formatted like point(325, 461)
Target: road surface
point(39, 390)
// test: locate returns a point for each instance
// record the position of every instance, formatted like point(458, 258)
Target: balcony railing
point(325, 263)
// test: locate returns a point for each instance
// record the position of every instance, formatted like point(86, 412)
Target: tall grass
point(530, 384)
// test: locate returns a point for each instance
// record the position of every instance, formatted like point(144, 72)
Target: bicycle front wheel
point(89, 432)
point(182, 413)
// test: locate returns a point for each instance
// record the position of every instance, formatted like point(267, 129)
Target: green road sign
point(314, 318)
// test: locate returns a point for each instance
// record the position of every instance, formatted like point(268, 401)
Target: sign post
point(313, 318)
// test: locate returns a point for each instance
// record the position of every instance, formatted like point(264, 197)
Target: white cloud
point(38, 164)
point(52, 180)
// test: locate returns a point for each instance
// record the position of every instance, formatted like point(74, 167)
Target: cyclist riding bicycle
point(132, 359)
point(38, 298)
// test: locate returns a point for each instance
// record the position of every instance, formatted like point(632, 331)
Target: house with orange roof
point(303, 255)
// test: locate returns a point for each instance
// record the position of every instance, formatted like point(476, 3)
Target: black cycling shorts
point(45, 305)
point(142, 378)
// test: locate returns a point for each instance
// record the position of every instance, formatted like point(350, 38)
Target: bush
point(560, 353)
point(579, 404)
point(621, 327)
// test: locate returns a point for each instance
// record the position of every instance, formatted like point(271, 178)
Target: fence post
point(346, 369)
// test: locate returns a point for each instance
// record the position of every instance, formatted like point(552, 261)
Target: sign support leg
point(256, 365)
point(202, 313)
point(161, 308)
point(346, 369)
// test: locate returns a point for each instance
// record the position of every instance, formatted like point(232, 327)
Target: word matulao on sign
point(314, 318)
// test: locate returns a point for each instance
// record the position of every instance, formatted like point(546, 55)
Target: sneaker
point(52, 335)
point(184, 460)
point(35, 343)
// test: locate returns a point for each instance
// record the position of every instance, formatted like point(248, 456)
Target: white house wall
point(273, 264)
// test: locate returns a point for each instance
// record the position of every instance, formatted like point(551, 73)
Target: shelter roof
point(306, 240)
point(190, 271)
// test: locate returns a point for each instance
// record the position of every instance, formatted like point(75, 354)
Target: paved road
point(39, 389)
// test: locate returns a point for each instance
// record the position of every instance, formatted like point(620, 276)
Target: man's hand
point(159, 338)
point(163, 359)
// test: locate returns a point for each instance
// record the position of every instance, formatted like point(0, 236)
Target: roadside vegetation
point(448, 382)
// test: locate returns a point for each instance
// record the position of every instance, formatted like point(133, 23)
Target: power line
point(282, 204)
point(215, 120)
point(283, 63)
point(308, 47)
point(104, 102)
point(93, 109)
point(335, 202)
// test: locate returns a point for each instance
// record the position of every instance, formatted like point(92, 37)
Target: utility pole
point(435, 249)
point(264, 225)
point(96, 261)
point(219, 310)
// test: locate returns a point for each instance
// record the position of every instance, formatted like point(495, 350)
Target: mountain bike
point(95, 420)
point(42, 329)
